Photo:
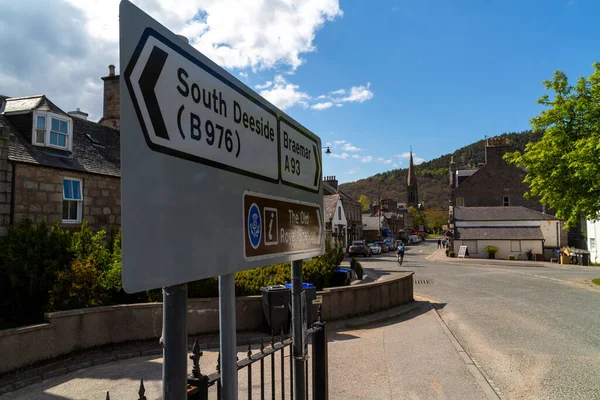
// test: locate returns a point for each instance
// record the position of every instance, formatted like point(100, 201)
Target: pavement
point(406, 352)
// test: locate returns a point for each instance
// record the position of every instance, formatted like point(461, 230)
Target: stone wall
point(39, 196)
point(5, 181)
point(68, 331)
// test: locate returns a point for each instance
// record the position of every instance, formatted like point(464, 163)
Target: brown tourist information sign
point(274, 226)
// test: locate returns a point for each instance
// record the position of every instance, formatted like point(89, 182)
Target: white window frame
point(79, 202)
point(592, 243)
point(49, 116)
point(505, 200)
point(460, 202)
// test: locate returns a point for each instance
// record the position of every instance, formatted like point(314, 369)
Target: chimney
point(495, 148)
point(78, 114)
point(332, 181)
point(111, 116)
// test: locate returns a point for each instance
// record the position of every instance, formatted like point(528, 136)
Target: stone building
point(58, 166)
point(496, 183)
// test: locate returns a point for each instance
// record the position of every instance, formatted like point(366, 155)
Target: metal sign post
point(174, 341)
point(227, 334)
point(299, 356)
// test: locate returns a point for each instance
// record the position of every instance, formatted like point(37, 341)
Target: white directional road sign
point(194, 139)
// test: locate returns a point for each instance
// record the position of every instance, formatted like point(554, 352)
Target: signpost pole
point(227, 334)
point(299, 389)
point(174, 339)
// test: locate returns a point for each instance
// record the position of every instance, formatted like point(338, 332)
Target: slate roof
point(96, 148)
point(500, 233)
point(329, 204)
point(513, 213)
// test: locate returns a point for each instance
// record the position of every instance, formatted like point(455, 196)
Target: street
point(532, 331)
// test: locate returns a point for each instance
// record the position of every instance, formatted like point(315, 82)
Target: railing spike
point(195, 357)
point(219, 362)
point(281, 335)
point(249, 353)
point(142, 390)
point(262, 345)
point(272, 338)
point(320, 313)
point(107, 396)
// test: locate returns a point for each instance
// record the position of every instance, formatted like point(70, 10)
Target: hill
point(432, 176)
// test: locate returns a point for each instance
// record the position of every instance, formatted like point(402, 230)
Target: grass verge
point(596, 281)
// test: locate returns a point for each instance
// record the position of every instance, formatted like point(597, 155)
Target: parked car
point(391, 243)
point(384, 247)
point(414, 239)
point(375, 248)
point(359, 248)
point(399, 243)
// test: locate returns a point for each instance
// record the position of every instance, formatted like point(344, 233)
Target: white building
point(513, 230)
point(593, 235)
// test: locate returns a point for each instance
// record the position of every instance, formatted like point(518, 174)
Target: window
point(460, 202)
point(506, 201)
point(592, 243)
point(72, 200)
point(515, 245)
point(52, 130)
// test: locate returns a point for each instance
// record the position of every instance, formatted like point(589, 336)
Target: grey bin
point(275, 305)
point(583, 258)
point(311, 294)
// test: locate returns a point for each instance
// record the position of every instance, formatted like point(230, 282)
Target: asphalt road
point(534, 332)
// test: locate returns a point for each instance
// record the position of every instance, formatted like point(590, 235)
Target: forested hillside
point(432, 175)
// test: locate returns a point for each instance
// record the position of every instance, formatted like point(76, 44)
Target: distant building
point(593, 236)
point(351, 208)
point(514, 230)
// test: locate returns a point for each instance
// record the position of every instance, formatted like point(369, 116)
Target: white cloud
point(284, 94)
point(356, 156)
point(406, 156)
point(359, 94)
point(254, 35)
point(388, 161)
point(338, 142)
point(264, 86)
point(339, 92)
point(322, 106)
point(367, 159)
point(339, 105)
point(353, 171)
point(321, 97)
point(351, 148)
point(379, 158)
point(395, 165)
point(244, 74)
point(343, 156)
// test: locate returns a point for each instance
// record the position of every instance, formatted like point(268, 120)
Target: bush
point(491, 249)
point(356, 267)
point(78, 287)
point(250, 281)
point(31, 257)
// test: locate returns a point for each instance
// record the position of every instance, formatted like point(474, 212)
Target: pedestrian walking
point(439, 243)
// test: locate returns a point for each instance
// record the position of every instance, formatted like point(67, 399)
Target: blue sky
point(443, 73)
point(371, 78)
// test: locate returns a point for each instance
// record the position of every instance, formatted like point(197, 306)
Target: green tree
point(364, 201)
point(563, 168)
point(435, 218)
point(418, 217)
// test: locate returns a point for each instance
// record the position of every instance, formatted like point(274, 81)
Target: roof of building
point(328, 189)
point(501, 233)
point(96, 148)
point(466, 172)
point(329, 204)
point(513, 213)
point(411, 178)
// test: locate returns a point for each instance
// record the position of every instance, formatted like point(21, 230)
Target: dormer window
point(52, 130)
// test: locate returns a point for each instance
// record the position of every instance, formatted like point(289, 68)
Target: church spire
point(412, 192)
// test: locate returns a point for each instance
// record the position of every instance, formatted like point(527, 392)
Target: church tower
point(412, 192)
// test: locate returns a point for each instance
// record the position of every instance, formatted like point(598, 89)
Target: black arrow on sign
point(147, 82)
